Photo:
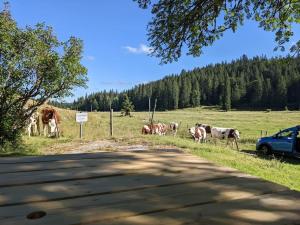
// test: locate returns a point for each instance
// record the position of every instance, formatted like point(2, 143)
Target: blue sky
point(115, 41)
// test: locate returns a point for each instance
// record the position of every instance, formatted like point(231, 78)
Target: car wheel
point(265, 149)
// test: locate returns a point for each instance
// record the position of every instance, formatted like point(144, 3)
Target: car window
point(285, 134)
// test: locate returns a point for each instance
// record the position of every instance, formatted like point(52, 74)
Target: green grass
point(285, 171)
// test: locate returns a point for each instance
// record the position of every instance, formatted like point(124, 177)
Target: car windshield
point(287, 133)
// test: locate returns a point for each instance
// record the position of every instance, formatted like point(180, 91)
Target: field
point(281, 170)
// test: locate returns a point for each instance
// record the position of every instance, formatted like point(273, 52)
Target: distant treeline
point(257, 83)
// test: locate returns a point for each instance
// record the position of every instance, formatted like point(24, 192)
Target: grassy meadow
point(285, 171)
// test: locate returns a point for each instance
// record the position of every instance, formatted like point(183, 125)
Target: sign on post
point(81, 117)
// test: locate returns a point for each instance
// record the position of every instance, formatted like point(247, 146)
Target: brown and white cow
point(198, 133)
point(50, 120)
point(163, 128)
point(159, 128)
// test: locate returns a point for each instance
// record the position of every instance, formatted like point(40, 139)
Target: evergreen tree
point(185, 93)
point(281, 92)
point(127, 106)
point(195, 97)
point(174, 95)
point(94, 105)
point(255, 92)
point(227, 94)
point(257, 83)
point(267, 93)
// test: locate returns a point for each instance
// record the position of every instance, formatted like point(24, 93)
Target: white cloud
point(90, 58)
point(142, 49)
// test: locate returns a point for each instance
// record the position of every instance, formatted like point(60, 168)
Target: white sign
point(81, 117)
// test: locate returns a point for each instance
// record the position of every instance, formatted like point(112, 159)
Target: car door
point(284, 141)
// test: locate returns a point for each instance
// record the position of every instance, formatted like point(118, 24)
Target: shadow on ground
point(138, 188)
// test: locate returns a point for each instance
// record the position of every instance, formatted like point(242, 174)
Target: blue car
point(285, 142)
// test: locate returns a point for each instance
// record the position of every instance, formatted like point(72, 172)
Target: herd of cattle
point(50, 119)
point(200, 132)
point(50, 123)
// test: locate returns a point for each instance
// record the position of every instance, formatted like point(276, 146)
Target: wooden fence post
point(81, 130)
point(149, 109)
point(153, 111)
point(111, 122)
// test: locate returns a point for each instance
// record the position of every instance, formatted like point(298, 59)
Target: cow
point(206, 127)
point(32, 128)
point(163, 128)
point(155, 128)
point(229, 134)
point(173, 126)
point(54, 131)
point(198, 133)
point(192, 131)
point(159, 128)
point(146, 129)
point(47, 115)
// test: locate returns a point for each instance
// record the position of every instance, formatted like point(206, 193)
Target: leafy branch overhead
point(196, 24)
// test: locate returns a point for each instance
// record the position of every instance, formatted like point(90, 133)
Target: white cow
point(54, 130)
point(33, 124)
point(229, 134)
point(173, 128)
point(192, 131)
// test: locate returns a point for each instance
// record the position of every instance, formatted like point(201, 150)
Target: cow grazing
point(173, 128)
point(155, 129)
point(206, 127)
point(47, 115)
point(229, 134)
point(200, 134)
point(146, 129)
point(163, 128)
point(159, 128)
point(192, 131)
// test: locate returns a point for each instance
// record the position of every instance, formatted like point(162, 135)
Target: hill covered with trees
point(257, 83)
